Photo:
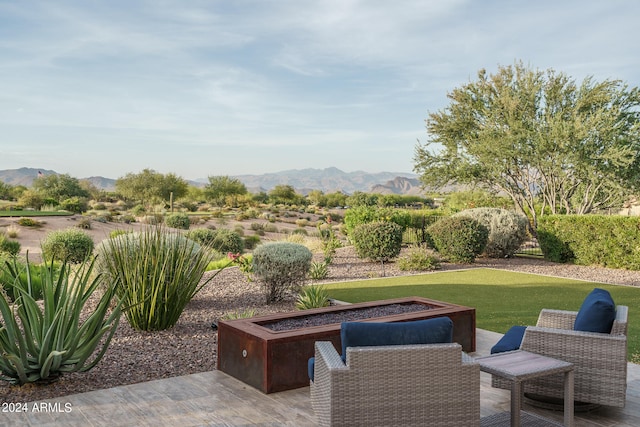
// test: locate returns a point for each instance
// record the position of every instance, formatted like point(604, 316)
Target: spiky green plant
point(51, 339)
point(318, 270)
point(158, 272)
point(312, 297)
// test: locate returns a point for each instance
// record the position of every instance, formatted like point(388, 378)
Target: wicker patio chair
point(404, 385)
point(600, 359)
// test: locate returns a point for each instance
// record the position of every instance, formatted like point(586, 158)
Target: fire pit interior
point(270, 352)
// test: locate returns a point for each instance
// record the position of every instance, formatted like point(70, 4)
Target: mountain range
point(328, 180)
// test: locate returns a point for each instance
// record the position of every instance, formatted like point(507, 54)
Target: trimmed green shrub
point(377, 241)
point(158, 273)
point(75, 204)
point(29, 222)
point(227, 241)
point(204, 236)
point(460, 239)
point(50, 338)
point(281, 267)
point(250, 242)
point(366, 214)
point(312, 297)
point(507, 230)
point(608, 241)
point(419, 258)
point(71, 245)
point(178, 220)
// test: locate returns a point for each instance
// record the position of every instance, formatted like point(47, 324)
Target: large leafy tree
point(59, 187)
point(150, 186)
point(548, 142)
point(223, 189)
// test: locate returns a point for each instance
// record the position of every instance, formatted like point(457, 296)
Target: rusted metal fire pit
point(276, 360)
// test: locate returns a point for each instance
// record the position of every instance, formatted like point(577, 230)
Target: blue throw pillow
point(597, 313)
point(363, 334)
point(510, 341)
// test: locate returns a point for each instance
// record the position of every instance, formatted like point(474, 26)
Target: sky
point(206, 88)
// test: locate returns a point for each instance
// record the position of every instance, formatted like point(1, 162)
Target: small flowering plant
point(244, 263)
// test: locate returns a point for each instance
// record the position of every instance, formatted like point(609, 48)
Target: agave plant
point(312, 297)
point(39, 342)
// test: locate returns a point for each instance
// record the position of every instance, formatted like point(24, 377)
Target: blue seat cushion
point(510, 341)
point(596, 313)
point(365, 334)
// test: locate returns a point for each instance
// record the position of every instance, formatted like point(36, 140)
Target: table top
point(522, 365)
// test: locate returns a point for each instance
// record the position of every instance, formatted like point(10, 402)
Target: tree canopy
point(150, 186)
point(548, 142)
point(222, 187)
point(59, 187)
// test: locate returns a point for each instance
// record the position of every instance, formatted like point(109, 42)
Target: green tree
point(223, 189)
point(59, 187)
point(150, 186)
point(6, 191)
point(546, 141)
point(284, 194)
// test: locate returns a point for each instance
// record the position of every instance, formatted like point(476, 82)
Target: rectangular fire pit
point(270, 352)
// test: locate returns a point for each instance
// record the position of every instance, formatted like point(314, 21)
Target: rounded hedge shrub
point(178, 220)
point(204, 236)
point(281, 267)
point(227, 240)
point(71, 245)
point(460, 239)
point(507, 230)
point(419, 258)
point(377, 241)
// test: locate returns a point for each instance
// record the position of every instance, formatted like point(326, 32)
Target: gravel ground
point(190, 346)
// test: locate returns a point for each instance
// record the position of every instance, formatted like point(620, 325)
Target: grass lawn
point(501, 298)
point(33, 213)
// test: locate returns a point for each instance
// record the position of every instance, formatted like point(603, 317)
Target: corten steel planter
point(274, 361)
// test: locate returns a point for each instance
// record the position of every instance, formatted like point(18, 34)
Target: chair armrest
point(557, 319)
point(584, 349)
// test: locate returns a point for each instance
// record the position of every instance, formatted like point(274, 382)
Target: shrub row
point(609, 241)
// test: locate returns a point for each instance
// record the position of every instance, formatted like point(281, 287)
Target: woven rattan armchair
point(408, 385)
point(600, 359)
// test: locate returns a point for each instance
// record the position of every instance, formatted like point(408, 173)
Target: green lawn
point(33, 213)
point(501, 298)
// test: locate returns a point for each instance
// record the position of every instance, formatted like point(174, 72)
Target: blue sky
point(202, 88)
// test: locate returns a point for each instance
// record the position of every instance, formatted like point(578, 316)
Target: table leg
point(568, 398)
point(516, 403)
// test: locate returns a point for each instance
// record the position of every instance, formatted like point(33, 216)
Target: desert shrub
point(255, 226)
point(9, 247)
point(377, 241)
point(13, 231)
point(154, 219)
point(300, 231)
point(302, 222)
point(244, 314)
point(312, 297)
point(204, 236)
point(75, 204)
point(318, 270)
point(138, 210)
point(158, 271)
point(507, 230)
point(71, 245)
point(126, 219)
point(29, 222)
point(227, 241)
point(250, 242)
point(99, 207)
point(178, 220)
point(281, 267)
point(270, 228)
point(419, 258)
point(460, 239)
point(239, 229)
point(50, 338)
point(84, 224)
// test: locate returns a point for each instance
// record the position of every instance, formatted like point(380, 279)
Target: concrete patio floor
point(216, 399)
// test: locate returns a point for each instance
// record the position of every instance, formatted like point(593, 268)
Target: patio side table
point(519, 366)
